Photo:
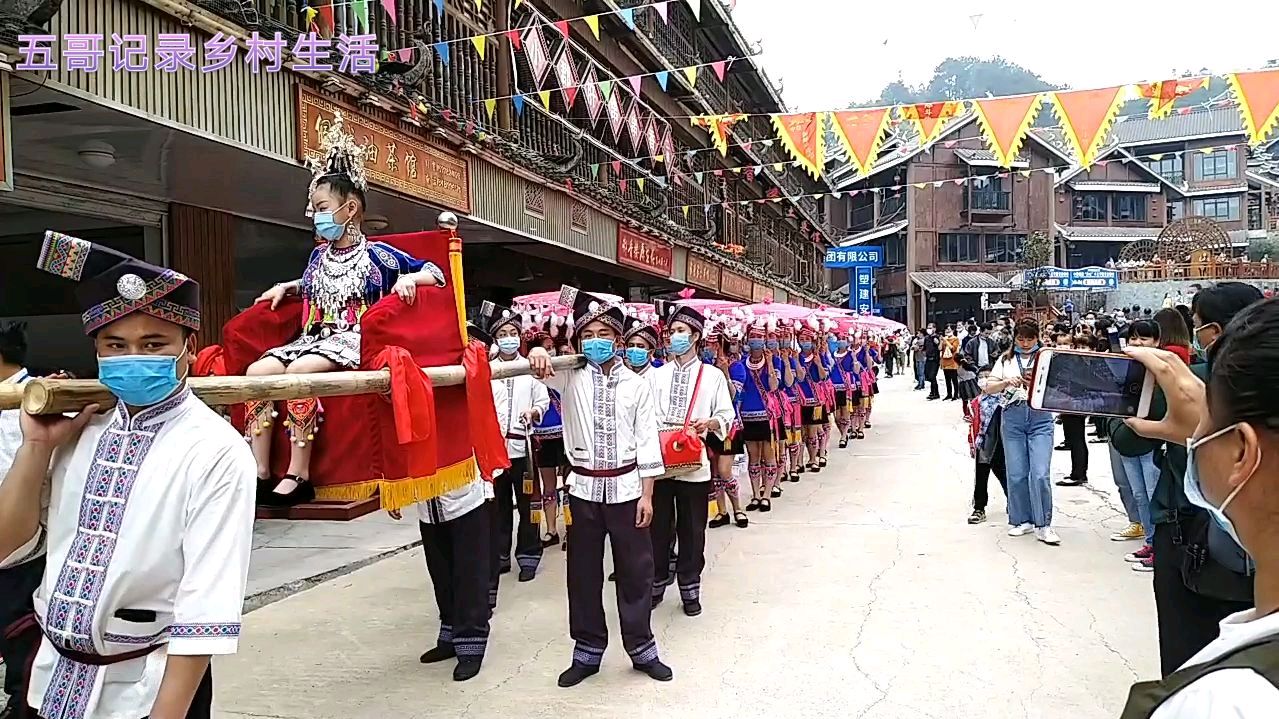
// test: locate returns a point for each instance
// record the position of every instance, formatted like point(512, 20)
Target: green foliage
point(957, 78)
point(1268, 247)
point(1036, 252)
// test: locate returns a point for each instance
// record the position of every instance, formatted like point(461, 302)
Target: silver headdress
point(339, 155)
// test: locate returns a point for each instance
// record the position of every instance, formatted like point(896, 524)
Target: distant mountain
point(957, 78)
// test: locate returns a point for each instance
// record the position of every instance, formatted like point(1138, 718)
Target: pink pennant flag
point(561, 25)
point(389, 6)
point(617, 166)
point(719, 66)
point(622, 185)
point(514, 36)
point(635, 83)
point(406, 55)
point(661, 10)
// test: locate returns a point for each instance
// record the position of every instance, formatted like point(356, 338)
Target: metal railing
point(988, 200)
point(1221, 269)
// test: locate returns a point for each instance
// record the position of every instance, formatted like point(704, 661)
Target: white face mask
point(508, 345)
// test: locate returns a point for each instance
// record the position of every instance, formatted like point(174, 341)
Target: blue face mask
point(708, 356)
point(140, 380)
point(508, 345)
point(681, 343)
point(327, 227)
point(772, 344)
point(831, 343)
point(755, 345)
point(1017, 348)
point(1194, 490)
point(598, 350)
point(806, 346)
point(636, 356)
point(841, 345)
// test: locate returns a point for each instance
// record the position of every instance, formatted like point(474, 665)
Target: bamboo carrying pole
point(55, 396)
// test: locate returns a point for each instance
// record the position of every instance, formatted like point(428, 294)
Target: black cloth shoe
point(466, 669)
point(718, 520)
point(657, 599)
point(576, 674)
point(777, 492)
point(550, 541)
point(741, 520)
point(1062, 447)
point(656, 670)
point(438, 653)
point(527, 574)
point(1072, 482)
point(692, 608)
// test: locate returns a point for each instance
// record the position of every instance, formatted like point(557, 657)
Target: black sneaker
point(1072, 482)
point(1062, 447)
point(656, 670)
point(576, 674)
point(466, 669)
point(977, 517)
point(438, 653)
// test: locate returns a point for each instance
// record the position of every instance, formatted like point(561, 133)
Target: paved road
point(863, 594)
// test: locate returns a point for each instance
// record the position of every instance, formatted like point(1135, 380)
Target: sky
point(825, 53)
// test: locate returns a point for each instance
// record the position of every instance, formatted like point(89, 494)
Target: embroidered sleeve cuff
point(202, 639)
point(435, 272)
point(652, 470)
point(33, 548)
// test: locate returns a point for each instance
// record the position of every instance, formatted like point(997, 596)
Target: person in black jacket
point(1188, 618)
point(932, 361)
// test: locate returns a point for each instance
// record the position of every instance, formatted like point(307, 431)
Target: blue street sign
point(861, 293)
point(859, 256)
point(1085, 278)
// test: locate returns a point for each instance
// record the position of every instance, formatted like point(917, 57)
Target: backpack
point(1261, 656)
point(1213, 565)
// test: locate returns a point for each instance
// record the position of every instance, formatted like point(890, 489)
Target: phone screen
point(1094, 384)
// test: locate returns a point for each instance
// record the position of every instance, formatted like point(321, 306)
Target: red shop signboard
point(644, 252)
point(734, 285)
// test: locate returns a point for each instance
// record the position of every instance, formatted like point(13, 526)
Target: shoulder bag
point(682, 448)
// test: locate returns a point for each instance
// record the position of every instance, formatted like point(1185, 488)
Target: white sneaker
point(1021, 530)
point(1047, 535)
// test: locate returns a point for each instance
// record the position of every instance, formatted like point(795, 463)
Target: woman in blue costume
point(792, 417)
point(724, 451)
point(844, 382)
point(548, 441)
point(345, 276)
point(812, 412)
point(758, 410)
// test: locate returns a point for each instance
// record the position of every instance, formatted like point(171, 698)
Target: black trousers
point(633, 565)
point(202, 702)
point(952, 383)
point(17, 584)
point(679, 512)
point(930, 375)
point(1074, 426)
point(1188, 621)
point(982, 479)
point(457, 554)
point(509, 488)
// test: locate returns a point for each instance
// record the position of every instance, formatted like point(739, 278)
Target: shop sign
point(6, 155)
point(761, 293)
point(702, 272)
point(734, 285)
point(643, 252)
point(394, 160)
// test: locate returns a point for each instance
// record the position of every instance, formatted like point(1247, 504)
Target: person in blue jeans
point(1027, 438)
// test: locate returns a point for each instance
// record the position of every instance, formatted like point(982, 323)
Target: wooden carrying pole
point(56, 396)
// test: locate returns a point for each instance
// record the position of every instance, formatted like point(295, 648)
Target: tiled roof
point(1137, 130)
point(1130, 232)
point(984, 156)
point(975, 281)
point(874, 233)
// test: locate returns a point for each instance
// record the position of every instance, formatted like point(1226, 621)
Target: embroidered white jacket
point(151, 517)
point(673, 388)
point(608, 423)
point(525, 393)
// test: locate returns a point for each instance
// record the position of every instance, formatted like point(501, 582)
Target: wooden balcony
point(1213, 269)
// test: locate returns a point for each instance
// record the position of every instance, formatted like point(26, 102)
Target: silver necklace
point(342, 277)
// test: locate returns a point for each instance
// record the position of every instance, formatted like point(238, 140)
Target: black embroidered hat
point(588, 308)
point(645, 331)
point(494, 317)
point(114, 285)
point(674, 312)
point(476, 332)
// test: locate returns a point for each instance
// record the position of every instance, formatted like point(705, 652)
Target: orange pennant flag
point(930, 117)
point(862, 132)
point(1164, 93)
point(1258, 96)
point(803, 136)
point(718, 126)
point(1005, 122)
point(1086, 117)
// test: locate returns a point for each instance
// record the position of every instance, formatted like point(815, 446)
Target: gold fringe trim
point(1258, 121)
point(815, 122)
point(400, 493)
point(1007, 154)
point(1086, 155)
point(843, 122)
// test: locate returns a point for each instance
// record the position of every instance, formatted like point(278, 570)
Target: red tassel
point(486, 434)
point(412, 408)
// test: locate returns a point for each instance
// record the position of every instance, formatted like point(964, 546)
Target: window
point(1219, 165)
point(1130, 207)
point(959, 247)
point(1090, 206)
point(1217, 208)
point(1004, 248)
point(1169, 167)
point(581, 218)
point(895, 251)
point(1176, 210)
point(534, 200)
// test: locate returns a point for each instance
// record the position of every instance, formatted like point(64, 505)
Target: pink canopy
point(704, 306)
point(781, 310)
point(878, 324)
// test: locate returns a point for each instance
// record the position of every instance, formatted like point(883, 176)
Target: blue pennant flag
point(439, 8)
point(628, 17)
point(518, 102)
point(662, 78)
point(442, 49)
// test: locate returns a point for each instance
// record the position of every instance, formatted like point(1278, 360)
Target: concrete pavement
point(863, 594)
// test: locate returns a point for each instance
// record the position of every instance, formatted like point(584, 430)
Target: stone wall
point(1151, 294)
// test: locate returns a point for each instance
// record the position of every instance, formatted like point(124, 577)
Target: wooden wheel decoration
point(1180, 241)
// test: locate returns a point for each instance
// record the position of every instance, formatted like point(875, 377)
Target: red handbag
point(682, 448)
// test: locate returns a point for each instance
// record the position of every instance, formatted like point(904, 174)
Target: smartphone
point(1096, 383)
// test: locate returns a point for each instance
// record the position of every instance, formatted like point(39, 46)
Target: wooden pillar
point(202, 247)
point(505, 68)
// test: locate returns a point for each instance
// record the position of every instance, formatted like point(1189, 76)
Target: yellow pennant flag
point(593, 22)
point(479, 4)
point(546, 99)
point(518, 3)
point(777, 167)
point(490, 105)
point(685, 209)
point(479, 41)
point(691, 74)
point(308, 14)
point(659, 158)
point(920, 185)
point(639, 181)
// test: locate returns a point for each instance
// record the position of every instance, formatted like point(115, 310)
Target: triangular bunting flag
point(635, 82)
point(930, 117)
point(518, 102)
point(570, 94)
point(691, 74)
point(685, 209)
point(479, 5)
point(639, 182)
point(778, 167)
point(698, 176)
point(920, 185)
point(662, 10)
point(1005, 122)
point(562, 26)
point(514, 37)
point(361, 8)
point(1086, 116)
point(593, 22)
point(719, 126)
point(389, 7)
point(617, 166)
point(442, 50)
point(491, 106)
point(1163, 94)
point(862, 132)
point(595, 171)
point(308, 15)
point(696, 7)
point(1258, 96)
point(663, 78)
point(719, 66)
point(628, 17)
point(659, 158)
point(479, 41)
point(606, 89)
point(804, 137)
point(1024, 173)
point(621, 184)
point(545, 96)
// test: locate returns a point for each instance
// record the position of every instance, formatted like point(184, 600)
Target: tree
point(958, 78)
point(1037, 252)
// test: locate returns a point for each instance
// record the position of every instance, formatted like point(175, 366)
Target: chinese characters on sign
point(644, 253)
point(175, 52)
point(703, 273)
point(392, 158)
point(861, 298)
point(865, 255)
point(734, 285)
point(760, 293)
point(1086, 278)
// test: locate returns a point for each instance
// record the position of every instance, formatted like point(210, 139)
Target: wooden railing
point(1211, 270)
